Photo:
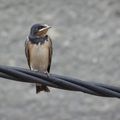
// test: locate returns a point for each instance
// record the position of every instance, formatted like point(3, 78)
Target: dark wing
point(50, 54)
point(27, 51)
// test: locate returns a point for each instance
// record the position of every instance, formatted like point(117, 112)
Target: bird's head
point(39, 30)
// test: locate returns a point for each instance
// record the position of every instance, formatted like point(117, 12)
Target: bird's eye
point(41, 27)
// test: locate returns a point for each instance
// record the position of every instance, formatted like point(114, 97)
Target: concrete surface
point(86, 39)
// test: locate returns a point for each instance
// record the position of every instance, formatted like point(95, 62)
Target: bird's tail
point(40, 88)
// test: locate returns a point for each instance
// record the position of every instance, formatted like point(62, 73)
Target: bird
point(38, 51)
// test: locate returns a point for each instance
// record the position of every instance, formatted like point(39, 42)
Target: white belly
point(39, 58)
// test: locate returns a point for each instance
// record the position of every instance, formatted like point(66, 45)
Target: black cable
point(64, 82)
point(58, 81)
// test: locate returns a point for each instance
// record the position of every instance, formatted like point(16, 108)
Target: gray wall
point(86, 39)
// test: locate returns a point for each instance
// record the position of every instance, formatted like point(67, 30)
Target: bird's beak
point(45, 28)
point(43, 31)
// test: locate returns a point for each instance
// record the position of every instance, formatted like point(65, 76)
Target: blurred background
point(86, 40)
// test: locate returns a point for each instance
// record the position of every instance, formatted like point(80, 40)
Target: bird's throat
point(37, 39)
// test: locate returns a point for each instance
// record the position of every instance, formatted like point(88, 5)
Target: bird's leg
point(47, 73)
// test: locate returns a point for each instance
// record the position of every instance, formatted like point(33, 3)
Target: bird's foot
point(47, 73)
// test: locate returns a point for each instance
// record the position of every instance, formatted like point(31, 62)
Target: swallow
point(38, 51)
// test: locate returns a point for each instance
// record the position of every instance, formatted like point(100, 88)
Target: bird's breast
point(39, 56)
